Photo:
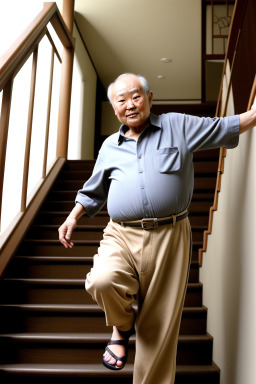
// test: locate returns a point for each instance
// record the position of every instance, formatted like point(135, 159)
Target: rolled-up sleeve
point(207, 133)
point(94, 193)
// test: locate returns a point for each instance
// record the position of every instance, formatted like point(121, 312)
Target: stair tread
point(96, 227)
point(77, 242)
point(66, 281)
point(80, 308)
point(86, 337)
point(99, 369)
point(85, 259)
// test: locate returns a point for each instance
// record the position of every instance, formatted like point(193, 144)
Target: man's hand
point(65, 232)
point(248, 119)
point(67, 228)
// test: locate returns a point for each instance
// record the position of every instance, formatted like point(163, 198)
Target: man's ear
point(150, 98)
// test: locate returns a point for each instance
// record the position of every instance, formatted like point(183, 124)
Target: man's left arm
point(247, 120)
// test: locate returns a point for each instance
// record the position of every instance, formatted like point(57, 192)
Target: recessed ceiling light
point(160, 77)
point(166, 60)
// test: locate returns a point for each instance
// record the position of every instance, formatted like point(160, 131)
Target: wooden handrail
point(13, 59)
point(10, 64)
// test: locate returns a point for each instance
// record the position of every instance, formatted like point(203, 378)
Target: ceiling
point(133, 36)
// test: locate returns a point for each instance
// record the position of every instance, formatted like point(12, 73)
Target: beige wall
point(109, 122)
point(83, 103)
point(229, 267)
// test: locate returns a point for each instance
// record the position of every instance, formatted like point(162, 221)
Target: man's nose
point(130, 104)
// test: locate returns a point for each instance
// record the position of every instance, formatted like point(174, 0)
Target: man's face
point(130, 102)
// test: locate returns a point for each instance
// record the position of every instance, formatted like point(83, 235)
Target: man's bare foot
point(118, 350)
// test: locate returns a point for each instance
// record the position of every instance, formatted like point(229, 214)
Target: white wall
point(229, 267)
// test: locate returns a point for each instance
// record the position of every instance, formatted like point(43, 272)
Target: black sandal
point(123, 359)
point(126, 335)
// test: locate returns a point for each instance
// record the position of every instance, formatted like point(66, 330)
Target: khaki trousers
point(152, 265)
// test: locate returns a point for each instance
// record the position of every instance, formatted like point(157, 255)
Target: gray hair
point(142, 79)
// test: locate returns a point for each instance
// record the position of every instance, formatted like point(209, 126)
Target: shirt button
point(141, 171)
point(139, 157)
point(145, 202)
point(142, 187)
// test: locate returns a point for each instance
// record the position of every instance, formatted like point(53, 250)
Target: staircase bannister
point(221, 110)
point(10, 64)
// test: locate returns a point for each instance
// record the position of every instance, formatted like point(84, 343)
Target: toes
point(109, 359)
point(119, 363)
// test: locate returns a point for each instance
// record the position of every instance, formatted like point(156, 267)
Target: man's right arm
point(66, 229)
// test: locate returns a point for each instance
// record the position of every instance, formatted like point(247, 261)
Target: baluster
point(4, 126)
point(48, 116)
point(29, 132)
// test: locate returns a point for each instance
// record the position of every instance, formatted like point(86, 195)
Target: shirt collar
point(154, 121)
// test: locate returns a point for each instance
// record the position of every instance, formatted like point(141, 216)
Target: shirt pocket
point(168, 160)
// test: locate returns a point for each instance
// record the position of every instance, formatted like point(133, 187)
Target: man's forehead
point(128, 90)
point(127, 84)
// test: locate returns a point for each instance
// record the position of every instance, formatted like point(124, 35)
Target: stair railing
point(10, 64)
point(222, 105)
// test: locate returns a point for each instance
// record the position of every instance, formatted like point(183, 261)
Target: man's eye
point(136, 97)
point(121, 101)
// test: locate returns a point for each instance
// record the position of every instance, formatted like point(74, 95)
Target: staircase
point(50, 329)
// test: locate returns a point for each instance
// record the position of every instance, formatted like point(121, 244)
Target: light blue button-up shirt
point(154, 176)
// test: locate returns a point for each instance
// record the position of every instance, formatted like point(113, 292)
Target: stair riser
point(52, 234)
point(25, 269)
point(48, 233)
point(14, 321)
point(210, 378)
point(59, 218)
point(81, 353)
point(205, 167)
point(57, 249)
point(15, 293)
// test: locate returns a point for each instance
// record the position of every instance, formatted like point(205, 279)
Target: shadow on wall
point(234, 258)
point(98, 48)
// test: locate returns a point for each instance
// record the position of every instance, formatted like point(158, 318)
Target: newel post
point(66, 84)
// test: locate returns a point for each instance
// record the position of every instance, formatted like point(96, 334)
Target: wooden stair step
point(102, 218)
point(200, 167)
point(79, 373)
point(54, 217)
point(74, 348)
point(72, 267)
point(74, 165)
point(66, 291)
point(41, 247)
point(207, 155)
point(79, 319)
point(50, 231)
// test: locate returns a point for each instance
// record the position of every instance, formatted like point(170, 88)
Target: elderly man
point(145, 173)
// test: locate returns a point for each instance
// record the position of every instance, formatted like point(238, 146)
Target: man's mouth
point(132, 115)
